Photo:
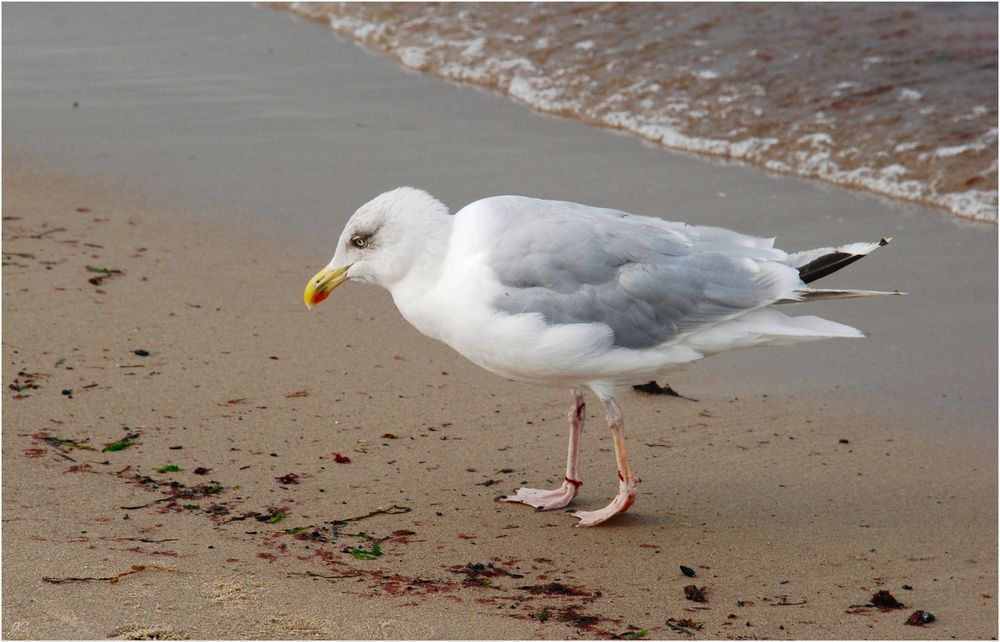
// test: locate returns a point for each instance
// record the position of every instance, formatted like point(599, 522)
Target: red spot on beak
point(319, 296)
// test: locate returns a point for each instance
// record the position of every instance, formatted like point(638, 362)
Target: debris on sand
point(920, 618)
point(653, 388)
point(633, 634)
point(555, 588)
point(684, 625)
point(481, 574)
point(395, 509)
point(102, 273)
point(361, 553)
point(695, 594)
point(136, 568)
point(884, 600)
point(128, 440)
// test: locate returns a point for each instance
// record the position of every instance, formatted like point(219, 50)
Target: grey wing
point(646, 279)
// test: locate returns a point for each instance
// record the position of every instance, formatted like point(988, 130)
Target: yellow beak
point(320, 286)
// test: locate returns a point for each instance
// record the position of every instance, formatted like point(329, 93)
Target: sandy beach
point(189, 453)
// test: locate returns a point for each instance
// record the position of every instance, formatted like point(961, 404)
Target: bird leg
point(560, 497)
point(627, 482)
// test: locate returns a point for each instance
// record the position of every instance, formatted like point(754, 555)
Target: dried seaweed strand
point(327, 577)
point(152, 503)
point(395, 509)
point(136, 568)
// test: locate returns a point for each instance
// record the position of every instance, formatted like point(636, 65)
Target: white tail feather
point(813, 294)
point(766, 327)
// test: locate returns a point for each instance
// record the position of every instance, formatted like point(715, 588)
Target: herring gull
point(562, 294)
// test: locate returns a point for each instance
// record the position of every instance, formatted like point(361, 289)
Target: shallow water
point(897, 99)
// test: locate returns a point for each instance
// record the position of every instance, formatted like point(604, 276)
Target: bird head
point(380, 243)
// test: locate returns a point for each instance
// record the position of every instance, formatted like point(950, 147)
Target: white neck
point(412, 293)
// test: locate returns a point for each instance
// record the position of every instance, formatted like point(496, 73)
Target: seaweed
point(394, 509)
point(694, 593)
point(478, 573)
point(374, 552)
point(123, 443)
point(554, 588)
point(683, 625)
point(884, 600)
point(113, 579)
point(104, 271)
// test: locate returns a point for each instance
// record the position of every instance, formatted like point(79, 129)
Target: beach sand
point(789, 530)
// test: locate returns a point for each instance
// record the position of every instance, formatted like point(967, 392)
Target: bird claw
point(620, 504)
point(545, 499)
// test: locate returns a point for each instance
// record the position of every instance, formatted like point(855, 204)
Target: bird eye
point(359, 242)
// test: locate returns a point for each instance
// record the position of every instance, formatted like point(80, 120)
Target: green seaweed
point(372, 553)
point(274, 518)
point(121, 444)
point(169, 468)
point(106, 271)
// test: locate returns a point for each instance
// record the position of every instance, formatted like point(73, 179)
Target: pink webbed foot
point(626, 496)
point(546, 499)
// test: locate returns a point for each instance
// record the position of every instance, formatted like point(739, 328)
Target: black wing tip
point(826, 265)
point(830, 263)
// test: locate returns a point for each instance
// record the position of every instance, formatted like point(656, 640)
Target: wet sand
point(253, 398)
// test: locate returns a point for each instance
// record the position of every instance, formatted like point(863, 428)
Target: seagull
point(555, 293)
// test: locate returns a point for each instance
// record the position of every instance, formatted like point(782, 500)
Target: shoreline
point(413, 49)
point(750, 486)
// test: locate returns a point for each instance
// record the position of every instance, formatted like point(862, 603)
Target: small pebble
point(688, 571)
point(140, 352)
point(844, 441)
